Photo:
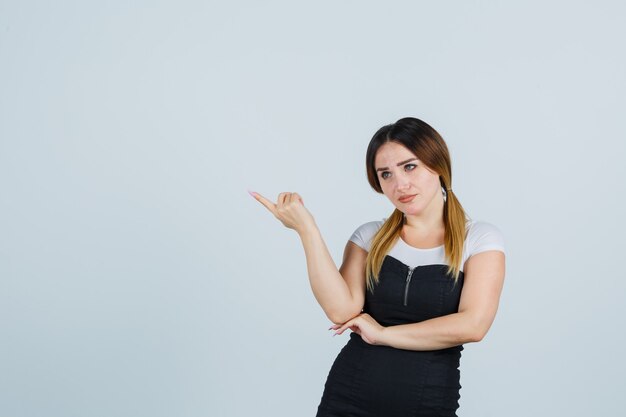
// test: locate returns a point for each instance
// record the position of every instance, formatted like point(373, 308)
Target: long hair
point(429, 147)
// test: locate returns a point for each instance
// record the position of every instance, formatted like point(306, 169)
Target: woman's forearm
point(433, 334)
point(329, 287)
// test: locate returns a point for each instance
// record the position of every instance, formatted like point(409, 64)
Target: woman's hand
point(363, 325)
point(289, 209)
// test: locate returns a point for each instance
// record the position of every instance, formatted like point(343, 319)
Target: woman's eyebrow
point(398, 164)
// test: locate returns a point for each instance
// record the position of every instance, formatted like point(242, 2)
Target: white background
point(139, 278)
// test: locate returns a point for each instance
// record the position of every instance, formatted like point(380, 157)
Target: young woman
point(412, 288)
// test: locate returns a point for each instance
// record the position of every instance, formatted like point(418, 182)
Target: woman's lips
point(407, 199)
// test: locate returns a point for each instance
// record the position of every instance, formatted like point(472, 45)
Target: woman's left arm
point(482, 286)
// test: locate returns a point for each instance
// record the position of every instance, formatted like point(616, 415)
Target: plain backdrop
point(139, 278)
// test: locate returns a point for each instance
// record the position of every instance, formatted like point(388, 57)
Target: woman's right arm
point(340, 293)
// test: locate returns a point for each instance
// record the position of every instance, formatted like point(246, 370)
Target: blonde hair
point(429, 147)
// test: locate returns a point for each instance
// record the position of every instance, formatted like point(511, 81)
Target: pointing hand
point(289, 209)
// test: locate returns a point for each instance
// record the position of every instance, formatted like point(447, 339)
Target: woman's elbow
point(476, 337)
point(476, 330)
point(340, 317)
point(478, 333)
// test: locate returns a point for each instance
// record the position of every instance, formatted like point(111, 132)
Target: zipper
point(406, 286)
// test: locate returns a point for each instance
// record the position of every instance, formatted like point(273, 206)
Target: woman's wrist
point(308, 230)
point(383, 337)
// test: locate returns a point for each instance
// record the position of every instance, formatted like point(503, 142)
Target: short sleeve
point(485, 236)
point(364, 234)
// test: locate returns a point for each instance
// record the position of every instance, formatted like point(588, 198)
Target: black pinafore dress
point(381, 381)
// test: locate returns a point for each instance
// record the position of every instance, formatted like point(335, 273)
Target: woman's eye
point(407, 165)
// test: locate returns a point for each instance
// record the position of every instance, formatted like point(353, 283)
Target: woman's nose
point(402, 182)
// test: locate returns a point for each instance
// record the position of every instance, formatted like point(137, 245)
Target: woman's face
point(400, 173)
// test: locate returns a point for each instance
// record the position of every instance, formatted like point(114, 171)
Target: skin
point(424, 215)
point(424, 228)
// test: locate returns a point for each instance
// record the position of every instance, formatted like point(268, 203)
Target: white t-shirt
point(481, 237)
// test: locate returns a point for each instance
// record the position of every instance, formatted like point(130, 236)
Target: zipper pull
point(406, 287)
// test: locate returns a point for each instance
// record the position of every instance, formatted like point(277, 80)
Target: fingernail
point(252, 193)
